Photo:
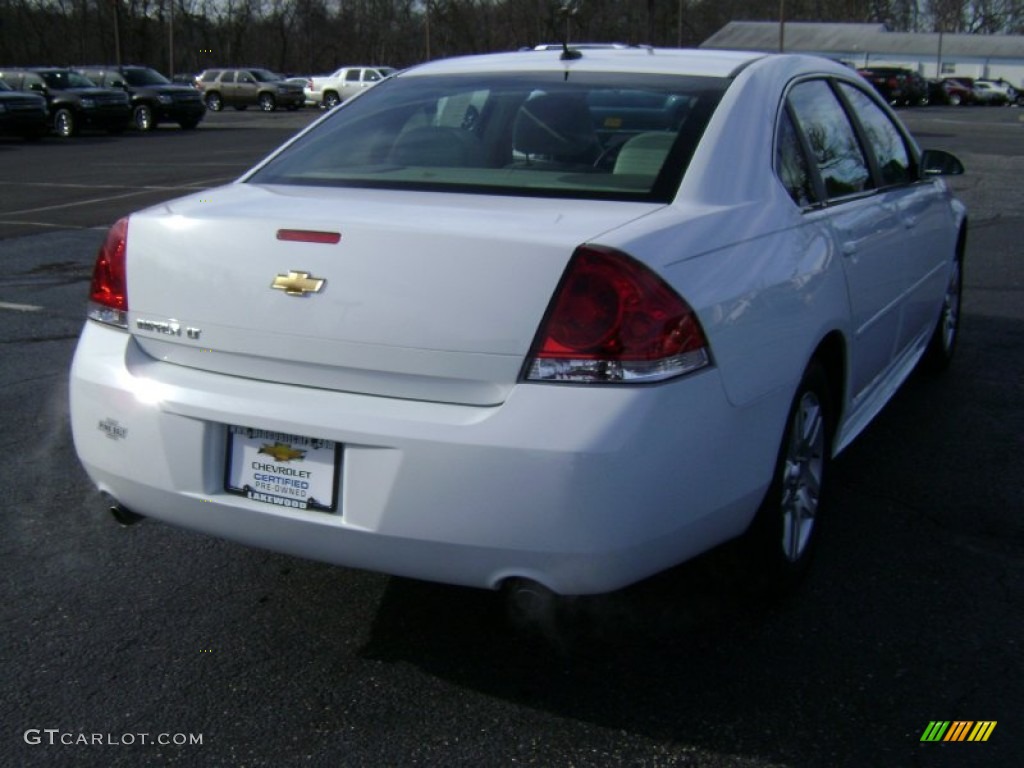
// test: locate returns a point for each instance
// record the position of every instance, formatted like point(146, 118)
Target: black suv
point(241, 88)
point(23, 114)
point(74, 100)
point(154, 98)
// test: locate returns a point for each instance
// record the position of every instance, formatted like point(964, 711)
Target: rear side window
point(596, 135)
point(831, 138)
point(884, 138)
point(791, 164)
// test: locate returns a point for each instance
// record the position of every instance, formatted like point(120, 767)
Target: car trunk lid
point(417, 295)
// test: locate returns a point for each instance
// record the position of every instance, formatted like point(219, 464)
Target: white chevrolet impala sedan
point(570, 317)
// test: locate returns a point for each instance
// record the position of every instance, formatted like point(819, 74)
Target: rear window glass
point(608, 136)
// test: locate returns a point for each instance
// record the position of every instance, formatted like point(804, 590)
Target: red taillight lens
point(613, 320)
point(108, 294)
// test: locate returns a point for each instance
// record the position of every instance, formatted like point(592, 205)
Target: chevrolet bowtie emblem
point(298, 283)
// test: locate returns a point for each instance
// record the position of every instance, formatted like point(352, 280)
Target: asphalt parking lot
point(913, 612)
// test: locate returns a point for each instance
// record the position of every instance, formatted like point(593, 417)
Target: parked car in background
point(987, 94)
point(154, 98)
point(897, 85)
point(1013, 95)
point(505, 318)
point(22, 114)
point(306, 83)
point(74, 101)
point(330, 90)
point(248, 87)
point(948, 91)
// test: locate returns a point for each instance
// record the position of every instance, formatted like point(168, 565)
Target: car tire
point(938, 355)
point(214, 102)
point(64, 123)
point(331, 100)
point(267, 102)
point(780, 542)
point(143, 117)
point(954, 99)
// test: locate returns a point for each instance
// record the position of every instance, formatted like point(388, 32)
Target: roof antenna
point(570, 9)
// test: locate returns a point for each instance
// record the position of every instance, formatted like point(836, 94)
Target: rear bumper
point(581, 489)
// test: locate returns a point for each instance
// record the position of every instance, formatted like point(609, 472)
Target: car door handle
point(849, 247)
point(909, 221)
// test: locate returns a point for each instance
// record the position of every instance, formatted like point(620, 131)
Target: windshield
point(608, 136)
point(140, 77)
point(66, 79)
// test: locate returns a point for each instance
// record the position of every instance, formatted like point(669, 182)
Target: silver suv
point(241, 88)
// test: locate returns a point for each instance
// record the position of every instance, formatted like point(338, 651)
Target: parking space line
point(94, 200)
point(20, 307)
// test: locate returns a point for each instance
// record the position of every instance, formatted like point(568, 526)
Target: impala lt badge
point(297, 283)
point(168, 328)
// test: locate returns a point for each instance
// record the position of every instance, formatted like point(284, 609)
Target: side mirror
point(937, 162)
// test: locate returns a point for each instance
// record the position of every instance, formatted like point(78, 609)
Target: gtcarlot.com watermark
point(55, 737)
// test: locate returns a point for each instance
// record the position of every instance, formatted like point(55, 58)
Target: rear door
point(246, 88)
point(226, 82)
point(868, 234)
point(353, 80)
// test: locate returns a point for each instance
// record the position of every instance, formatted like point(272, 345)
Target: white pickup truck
point(330, 90)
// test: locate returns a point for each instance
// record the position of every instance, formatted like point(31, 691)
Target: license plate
point(284, 470)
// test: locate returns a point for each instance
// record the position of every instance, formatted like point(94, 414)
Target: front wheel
point(64, 124)
point(143, 117)
point(784, 534)
point(267, 103)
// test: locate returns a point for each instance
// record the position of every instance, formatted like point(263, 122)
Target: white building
point(861, 45)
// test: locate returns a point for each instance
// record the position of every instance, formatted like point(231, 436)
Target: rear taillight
point(613, 320)
point(108, 295)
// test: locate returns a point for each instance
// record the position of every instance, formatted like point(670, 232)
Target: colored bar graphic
point(958, 730)
point(935, 731)
point(982, 730)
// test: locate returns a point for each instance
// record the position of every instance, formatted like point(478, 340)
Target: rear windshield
point(605, 136)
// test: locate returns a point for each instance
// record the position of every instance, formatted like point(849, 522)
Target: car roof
point(674, 61)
